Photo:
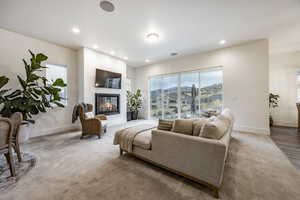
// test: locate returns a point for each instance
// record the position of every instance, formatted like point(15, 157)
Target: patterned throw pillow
point(165, 125)
point(89, 115)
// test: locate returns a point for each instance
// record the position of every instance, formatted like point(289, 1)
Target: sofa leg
point(82, 135)
point(216, 193)
point(99, 136)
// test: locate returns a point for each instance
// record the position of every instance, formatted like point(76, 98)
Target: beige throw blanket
point(126, 136)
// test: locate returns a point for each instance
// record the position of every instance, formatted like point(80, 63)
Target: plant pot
point(271, 121)
point(129, 116)
point(134, 115)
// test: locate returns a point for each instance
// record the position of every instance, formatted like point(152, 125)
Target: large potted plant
point(36, 94)
point(273, 103)
point(134, 103)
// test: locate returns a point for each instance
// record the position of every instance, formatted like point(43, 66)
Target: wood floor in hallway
point(288, 140)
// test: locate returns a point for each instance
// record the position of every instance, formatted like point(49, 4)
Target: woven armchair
point(6, 131)
point(91, 126)
point(16, 120)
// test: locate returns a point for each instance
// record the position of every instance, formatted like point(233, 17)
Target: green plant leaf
point(59, 104)
point(59, 82)
point(3, 81)
point(41, 57)
point(22, 82)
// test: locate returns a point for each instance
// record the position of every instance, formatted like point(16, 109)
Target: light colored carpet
point(70, 168)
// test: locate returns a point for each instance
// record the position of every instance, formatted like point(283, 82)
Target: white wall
point(89, 60)
point(13, 48)
point(131, 74)
point(246, 82)
point(283, 69)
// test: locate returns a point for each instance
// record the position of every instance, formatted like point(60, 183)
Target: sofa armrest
point(198, 157)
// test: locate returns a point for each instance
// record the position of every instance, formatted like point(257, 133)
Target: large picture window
point(186, 95)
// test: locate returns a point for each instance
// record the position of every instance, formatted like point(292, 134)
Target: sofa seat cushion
point(184, 126)
point(143, 140)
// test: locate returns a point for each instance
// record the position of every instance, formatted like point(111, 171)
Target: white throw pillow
point(89, 115)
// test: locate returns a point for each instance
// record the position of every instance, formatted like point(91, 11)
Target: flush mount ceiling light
point(112, 53)
point(174, 54)
point(147, 60)
point(125, 58)
point(152, 37)
point(76, 30)
point(222, 42)
point(107, 6)
point(95, 46)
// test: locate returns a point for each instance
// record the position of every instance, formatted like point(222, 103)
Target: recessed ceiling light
point(107, 6)
point(95, 46)
point(152, 37)
point(147, 60)
point(76, 30)
point(125, 58)
point(222, 42)
point(112, 53)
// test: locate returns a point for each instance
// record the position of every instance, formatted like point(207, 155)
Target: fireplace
point(108, 104)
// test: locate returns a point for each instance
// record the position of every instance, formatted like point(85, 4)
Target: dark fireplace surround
point(107, 104)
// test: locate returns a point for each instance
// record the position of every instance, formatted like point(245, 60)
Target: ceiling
point(184, 27)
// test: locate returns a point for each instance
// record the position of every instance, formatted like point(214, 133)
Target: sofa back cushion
point(198, 124)
point(214, 128)
point(184, 126)
point(165, 125)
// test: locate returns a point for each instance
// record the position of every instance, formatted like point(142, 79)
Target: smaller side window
point(54, 72)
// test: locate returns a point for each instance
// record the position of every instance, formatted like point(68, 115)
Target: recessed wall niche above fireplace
point(107, 104)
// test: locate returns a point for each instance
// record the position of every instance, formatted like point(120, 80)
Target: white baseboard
point(285, 123)
point(265, 131)
point(58, 130)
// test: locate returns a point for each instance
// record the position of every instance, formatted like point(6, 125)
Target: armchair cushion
point(89, 115)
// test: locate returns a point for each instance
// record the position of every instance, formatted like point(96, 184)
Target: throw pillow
point(214, 129)
point(197, 125)
point(89, 115)
point(184, 126)
point(165, 125)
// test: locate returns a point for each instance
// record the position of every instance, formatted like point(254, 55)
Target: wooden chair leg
point(10, 162)
point(16, 147)
point(82, 135)
point(121, 152)
point(216, 193)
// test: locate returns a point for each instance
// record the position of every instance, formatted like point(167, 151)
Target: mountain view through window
point(186, 95)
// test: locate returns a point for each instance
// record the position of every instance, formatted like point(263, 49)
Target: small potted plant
point(134, 103)
point(273, 103)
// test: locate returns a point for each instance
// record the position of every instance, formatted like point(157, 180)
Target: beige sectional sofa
point(198, 158)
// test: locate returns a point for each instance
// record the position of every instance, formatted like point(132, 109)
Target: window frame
point(64, 101)
point(179, 73)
